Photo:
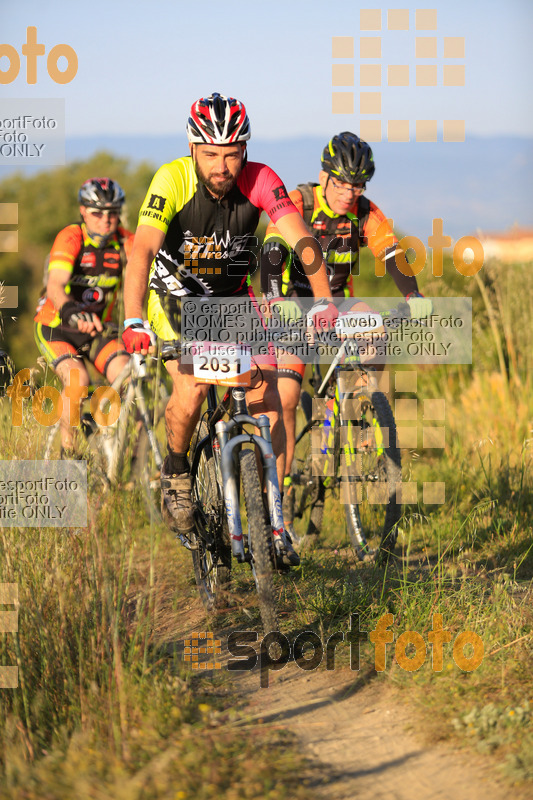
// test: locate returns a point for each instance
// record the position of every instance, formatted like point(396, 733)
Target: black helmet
point(101, 193)
point(348, 158)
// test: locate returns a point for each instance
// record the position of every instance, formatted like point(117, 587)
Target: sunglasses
point(100, 214)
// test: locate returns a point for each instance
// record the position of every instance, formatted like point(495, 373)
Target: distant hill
point(482, 183)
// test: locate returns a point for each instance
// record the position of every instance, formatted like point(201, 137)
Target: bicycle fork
point(229, 479)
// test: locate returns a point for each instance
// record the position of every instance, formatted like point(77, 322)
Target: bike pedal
point(185, 542)
point(284, 557)
point(279, 566)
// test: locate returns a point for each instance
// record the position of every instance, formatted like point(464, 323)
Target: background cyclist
point(342, 220)
point(195, 238)
point(84, 274)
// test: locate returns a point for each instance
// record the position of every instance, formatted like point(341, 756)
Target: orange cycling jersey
point(340, 237)
point(96, 272)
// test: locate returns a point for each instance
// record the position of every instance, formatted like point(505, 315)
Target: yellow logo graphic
point(9, 623)
point(375, 73)
point(193, 650)
point(202, 247)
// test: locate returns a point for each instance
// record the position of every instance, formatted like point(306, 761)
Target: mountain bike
point(348, 446)
point(130, 451)
point(222, 466)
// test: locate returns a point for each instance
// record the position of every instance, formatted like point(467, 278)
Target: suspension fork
point(263, 443)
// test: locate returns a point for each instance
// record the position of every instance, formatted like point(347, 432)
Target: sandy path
point(365, 741)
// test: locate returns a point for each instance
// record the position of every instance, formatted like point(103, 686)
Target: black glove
point(71, 313)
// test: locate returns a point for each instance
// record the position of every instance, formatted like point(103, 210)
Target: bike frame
point(229, 437)
point(337, 366)
point(331, 469)
point(136, 370)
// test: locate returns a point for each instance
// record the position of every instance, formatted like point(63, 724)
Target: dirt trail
point(362, 737)
point(365, 741)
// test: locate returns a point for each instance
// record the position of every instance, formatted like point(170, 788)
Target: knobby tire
point(369, 521)
point(259, 540)
point(212, 558)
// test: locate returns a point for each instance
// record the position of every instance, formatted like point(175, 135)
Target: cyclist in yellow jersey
point(209, 202)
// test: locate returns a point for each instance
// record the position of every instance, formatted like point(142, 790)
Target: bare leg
point(183, 408)
point(263, 398)
point(64, 371)
point(116, 365)
point(289, 392)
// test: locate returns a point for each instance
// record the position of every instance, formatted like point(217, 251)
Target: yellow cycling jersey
point(209, 246)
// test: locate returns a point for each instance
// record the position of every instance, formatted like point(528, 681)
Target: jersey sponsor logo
point(191, 274)
point(280, 193)
point(94, 280)
point(157, 202)
point(111, 260)
point(91, 296)
point(88, 260)
point(215, 246)
point(152, 214)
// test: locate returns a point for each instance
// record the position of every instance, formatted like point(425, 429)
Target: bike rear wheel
point(259, 540)
point(139, 439)
point(309, 487)
point(150, 452)
point(371, 475)
point(212, 558)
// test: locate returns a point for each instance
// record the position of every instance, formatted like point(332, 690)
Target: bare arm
point(55, 288)
point(146, 245)
point(294, 230)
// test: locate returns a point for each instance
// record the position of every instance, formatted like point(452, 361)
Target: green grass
point(470, 560)
point(104, 705)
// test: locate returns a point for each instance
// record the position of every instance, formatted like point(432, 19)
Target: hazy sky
point(141, 65)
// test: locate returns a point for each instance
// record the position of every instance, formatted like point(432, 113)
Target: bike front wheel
point(150, 450)
point(259, 540)
point(308, 486)
point(371, 474)
point(212, 557)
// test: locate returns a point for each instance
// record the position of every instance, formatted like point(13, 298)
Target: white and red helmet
point(218, 120)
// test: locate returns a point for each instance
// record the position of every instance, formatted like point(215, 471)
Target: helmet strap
point(325, 189)
point(100, 240)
